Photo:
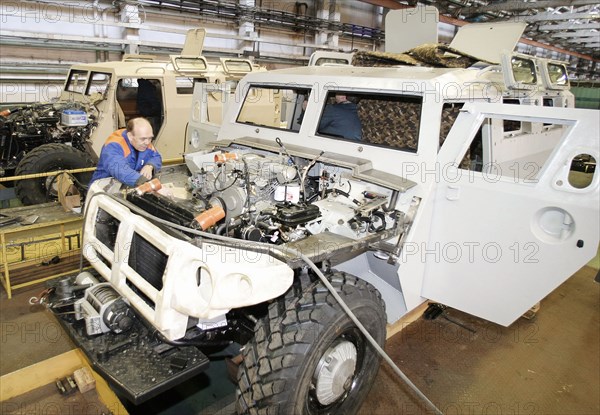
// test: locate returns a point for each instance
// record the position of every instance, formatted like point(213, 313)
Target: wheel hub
point(335, 371)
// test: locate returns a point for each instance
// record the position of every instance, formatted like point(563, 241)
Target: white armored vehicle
point(459, 190)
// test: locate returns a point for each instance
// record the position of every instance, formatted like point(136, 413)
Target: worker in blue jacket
point(128, 154)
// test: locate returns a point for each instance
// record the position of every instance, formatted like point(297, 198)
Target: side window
point(548, 102)
point(237, 66)
point(211, 107)
point(331, 61)
point(583, 167)
point(76, 81)
point(280, 108)
point(520, 157)
point(391, 121)
point(184, 85)
point(99, 83)
point(473, 158)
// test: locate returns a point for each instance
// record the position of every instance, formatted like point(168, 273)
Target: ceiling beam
point(516, 5)
point(580, 40)
point(547, 17)
point(577, 33)
point(537, 44)
point(569, 26)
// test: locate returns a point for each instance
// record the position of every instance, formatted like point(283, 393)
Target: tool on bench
point(6, 220)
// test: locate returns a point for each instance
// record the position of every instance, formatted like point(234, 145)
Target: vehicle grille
point(148, 261)
point(106, 229)
point(140, 294)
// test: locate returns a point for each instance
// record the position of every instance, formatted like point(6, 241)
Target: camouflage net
point(390, 123)
point(431, 55)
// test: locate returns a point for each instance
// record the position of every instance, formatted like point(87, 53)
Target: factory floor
point(464, 365)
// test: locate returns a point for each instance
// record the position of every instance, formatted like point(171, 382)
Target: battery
point(74, 118)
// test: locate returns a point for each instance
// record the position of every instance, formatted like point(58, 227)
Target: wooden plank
point(48, 371)
point(32, 266)
point(38, 374)
point(406, 320)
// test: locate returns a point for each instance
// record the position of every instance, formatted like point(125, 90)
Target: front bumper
point(168, 280)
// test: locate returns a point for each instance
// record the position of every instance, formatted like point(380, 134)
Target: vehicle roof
point(384, 77)
point(136, 68)
point(406, 72)
point(121, 66)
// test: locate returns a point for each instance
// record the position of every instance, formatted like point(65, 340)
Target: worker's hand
point(147, 171)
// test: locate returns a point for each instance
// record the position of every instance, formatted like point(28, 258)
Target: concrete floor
point(548, 365)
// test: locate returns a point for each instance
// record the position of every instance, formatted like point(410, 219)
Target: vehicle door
point(511, 220)
point(209, 104)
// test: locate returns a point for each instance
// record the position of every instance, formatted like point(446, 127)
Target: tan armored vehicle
point(99, 98)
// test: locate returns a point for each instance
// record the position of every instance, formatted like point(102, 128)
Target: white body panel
point(229, 276)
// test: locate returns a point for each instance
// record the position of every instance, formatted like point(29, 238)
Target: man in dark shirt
point(341, 119)
point(149, 102)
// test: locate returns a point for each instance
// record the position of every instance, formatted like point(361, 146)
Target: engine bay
point(24, 128)
point(261, 196)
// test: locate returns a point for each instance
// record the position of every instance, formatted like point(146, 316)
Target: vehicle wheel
point(307, 356)
point(45, 158)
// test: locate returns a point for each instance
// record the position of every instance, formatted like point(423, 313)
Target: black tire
point(284, 363)
point(45, 158)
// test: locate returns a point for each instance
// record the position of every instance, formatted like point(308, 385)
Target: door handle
point(555, 224)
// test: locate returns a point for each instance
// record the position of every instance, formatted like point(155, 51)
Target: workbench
point(30, 252)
